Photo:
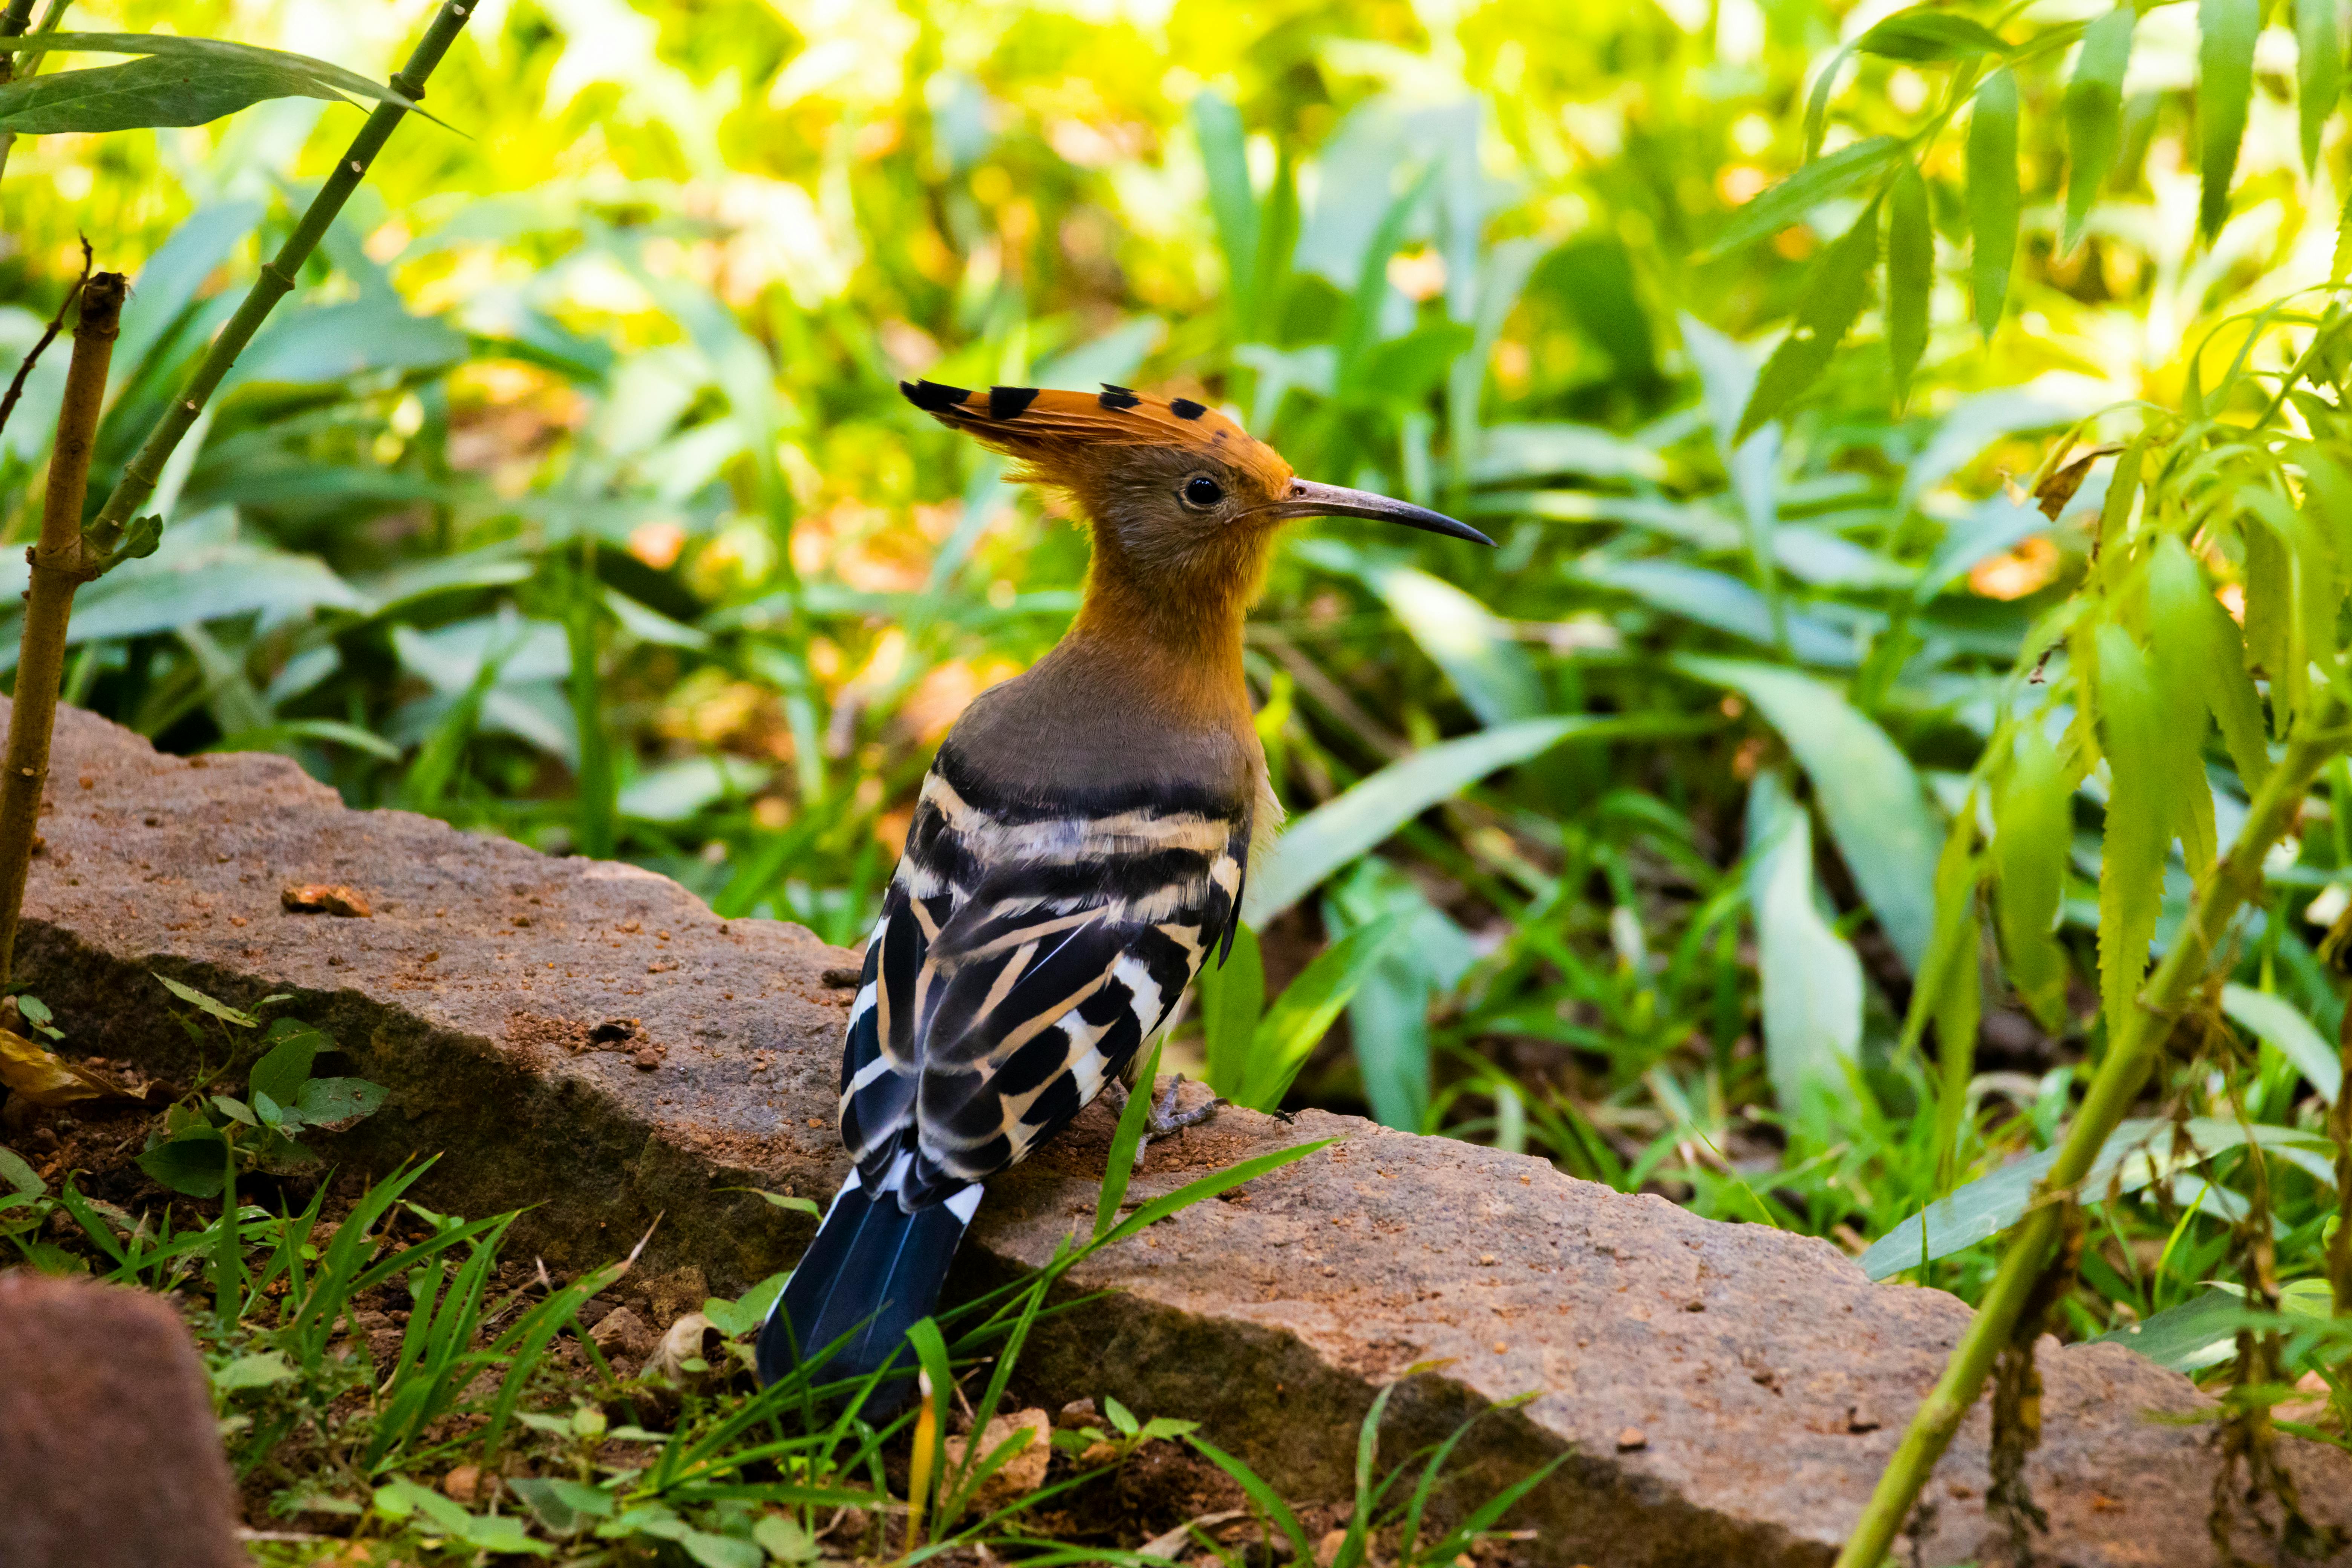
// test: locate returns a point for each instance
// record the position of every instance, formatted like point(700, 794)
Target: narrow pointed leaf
point(1929, 33)
point(1865, 786)
point(2131, 857)
point(2225, 83)
point(1223, 154)
point(333, 78)
point(140, 93)
point(2138, 1151)
point(1307, 1008)
point(1910, 274)
point(2095, 100)
point(1992, 195)
point(2197, 643)
point(2319, 71)
point(1817, 105)
point(1339, 830)
point(1834, 297)
point(1810, 977)
point(1801, 191)
point(1233, 999)
point(2033, 834)
point(2282, 1027)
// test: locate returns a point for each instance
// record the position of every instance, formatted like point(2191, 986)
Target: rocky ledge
point(589, 1038)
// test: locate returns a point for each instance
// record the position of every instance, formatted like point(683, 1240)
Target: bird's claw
point(1164, 1118)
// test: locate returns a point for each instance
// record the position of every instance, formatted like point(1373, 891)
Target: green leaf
point(258, 1370)
point(2032, 835)
point(1364, 815)
point(193, 1161)
point(1466, 640)
point(1927, 33)
point(328, 79)
point(153, 92)
point(2095, 98)
point(281, 1073)
point(2137, 1152)
point(195, 998)
point(725, 1551)
point(1992, 195)
point(1801, 191)
point(2225, 84)
point(749, 1310)
point(1225, 156)
point(787, 1200)
point(1811, 979)
point(1865, 786)
point(1817, 104)
point(325, 1101)
point(2197, 643)
point(2131, 857)
point(2279, 1024)
point(1834, 296)
point(2191, 1337)
point(1910, 274)
point(783, 1539)
point(1307, 1008)
point(20, 1176)
point(1233, 999)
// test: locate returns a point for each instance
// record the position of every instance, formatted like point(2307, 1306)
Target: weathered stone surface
point(109, 1456)
point(589, 1039)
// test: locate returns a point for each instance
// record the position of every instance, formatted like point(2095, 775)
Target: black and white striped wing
point(1022, 958)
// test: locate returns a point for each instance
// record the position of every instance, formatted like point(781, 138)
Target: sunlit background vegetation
point(572, 498)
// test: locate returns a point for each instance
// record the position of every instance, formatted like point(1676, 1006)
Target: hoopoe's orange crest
point(1065, 437)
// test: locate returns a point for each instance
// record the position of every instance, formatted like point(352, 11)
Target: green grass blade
point(1268, 1501)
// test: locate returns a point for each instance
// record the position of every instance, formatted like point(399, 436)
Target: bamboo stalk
point(2132, 1051)
point(60, 566)
point(107, 529)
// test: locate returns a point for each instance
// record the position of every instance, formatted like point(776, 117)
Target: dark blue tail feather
point(873, 1272)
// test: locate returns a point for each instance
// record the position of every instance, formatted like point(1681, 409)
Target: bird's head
point(1183, 501)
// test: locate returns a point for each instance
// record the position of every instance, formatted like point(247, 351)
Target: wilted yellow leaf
point(47, 1078)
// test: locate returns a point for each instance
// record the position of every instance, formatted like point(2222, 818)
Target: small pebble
point(1631, 1438)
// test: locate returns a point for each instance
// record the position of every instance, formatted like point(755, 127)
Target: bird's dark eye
point(1202, 490)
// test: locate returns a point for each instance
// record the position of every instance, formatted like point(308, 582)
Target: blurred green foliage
point(572, 498)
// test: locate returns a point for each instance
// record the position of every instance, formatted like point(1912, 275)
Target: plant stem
point(13, 22)
point(2340, 1128)
point(141, 476)
point(59, 568)
point(2132, 1050)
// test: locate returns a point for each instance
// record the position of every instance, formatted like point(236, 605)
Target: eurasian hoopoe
point(1078, 850)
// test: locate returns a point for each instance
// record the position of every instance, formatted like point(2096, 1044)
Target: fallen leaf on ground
point(319, 898)
point(47, 1078)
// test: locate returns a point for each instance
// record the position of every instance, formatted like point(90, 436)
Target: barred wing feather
point(1023, 957)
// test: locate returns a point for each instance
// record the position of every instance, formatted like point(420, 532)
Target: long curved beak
point(1307, 499)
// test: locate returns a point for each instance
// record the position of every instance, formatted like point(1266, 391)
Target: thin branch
point(107, 532)
point(48, 336)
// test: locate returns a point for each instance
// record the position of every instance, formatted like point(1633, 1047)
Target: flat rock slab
point(589, 1038)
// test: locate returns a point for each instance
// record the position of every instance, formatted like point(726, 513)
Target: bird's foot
point(1163, 1118)
point(1166, 1119)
